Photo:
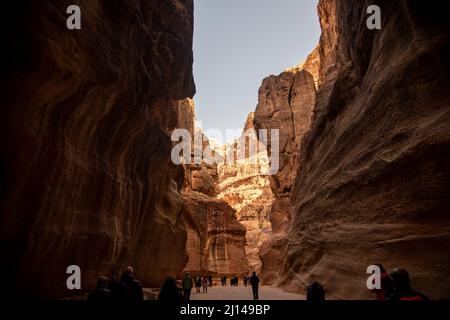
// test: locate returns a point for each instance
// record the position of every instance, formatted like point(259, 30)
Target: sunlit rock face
point(372, 184)
point(285, 103)
point(85, 122)
point(215, 239)
point(244, 186)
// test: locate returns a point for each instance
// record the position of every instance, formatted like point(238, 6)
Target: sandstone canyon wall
point(286, 103)
point(215, 239)
point(243, 185)
point(85, 150)
point(373, 174)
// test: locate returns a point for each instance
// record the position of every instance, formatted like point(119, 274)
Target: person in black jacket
point(169, 291)
point(210, 280)
point(254, 281)
point(130, 290)
point(402, 287)
point(101, 293)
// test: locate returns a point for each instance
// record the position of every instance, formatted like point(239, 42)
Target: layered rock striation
point(215, 239)
point(244, 185)
point(286, 103)
point(373, 175)
point(85, 145)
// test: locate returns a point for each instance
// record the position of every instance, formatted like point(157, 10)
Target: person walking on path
point(187, 286)
point(198, 282)
point(210, 280)
point(254, 281)
point(205, 282)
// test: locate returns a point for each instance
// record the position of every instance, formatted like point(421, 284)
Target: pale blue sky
point(237, 43)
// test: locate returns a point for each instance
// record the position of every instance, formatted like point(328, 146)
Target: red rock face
point(286, 103)
point(85, 120)
point(215, 239)
point(374, 176)
point(243, 186)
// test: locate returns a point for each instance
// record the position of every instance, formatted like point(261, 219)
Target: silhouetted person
point(315, 292)
point(169, 291)
point(210, 281)
point(224, 281)
point(205, 282)
point(130, 288)
point(114, 285)
point(402, 287)
point(101, 293)
point(254, 281)
point(187, 286)
point(198, 283)
point(387, 285)
point(245, 280)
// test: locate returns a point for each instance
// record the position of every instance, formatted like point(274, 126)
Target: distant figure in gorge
point(101, 293)
point(205, 282)
point(224, 281)
point(246, 280)
point(169, 291)
point(198, 282)
point(402, 287)
point(210, 280)
point(387, 285)
point(130, 289)
point(254, 281)
point(187, 286)
point(315, 292)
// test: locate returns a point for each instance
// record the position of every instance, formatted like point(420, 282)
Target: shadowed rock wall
point(373, 177)
point(85, 145)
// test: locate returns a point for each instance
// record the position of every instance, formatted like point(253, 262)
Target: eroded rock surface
point(215, 239)
point(285, 103)
point(85, 121)
point(373, 178)
point(244, 186)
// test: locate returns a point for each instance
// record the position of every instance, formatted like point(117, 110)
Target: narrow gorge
point(88, 180)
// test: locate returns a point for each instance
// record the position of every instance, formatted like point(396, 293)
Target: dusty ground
point(244, 293)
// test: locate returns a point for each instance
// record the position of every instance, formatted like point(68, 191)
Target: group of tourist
point(394, 286)
point(124, 289)
point(200, 282)
point(234, 281)
point(172, 291)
